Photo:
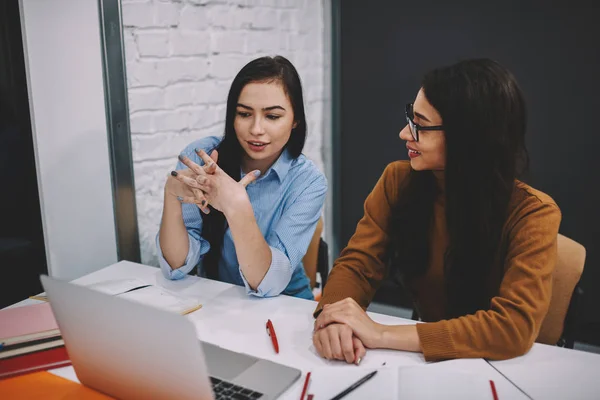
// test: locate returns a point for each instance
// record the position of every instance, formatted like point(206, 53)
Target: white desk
point(550, 372)
point(234, 320)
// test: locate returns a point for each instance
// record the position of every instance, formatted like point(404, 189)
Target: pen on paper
point(355, 385)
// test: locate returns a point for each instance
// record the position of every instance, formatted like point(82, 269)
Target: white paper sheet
point(153, 296)
point(327, 382)
point(423, 382)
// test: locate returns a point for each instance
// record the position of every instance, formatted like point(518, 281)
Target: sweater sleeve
point(358, 272)
point(511, 324)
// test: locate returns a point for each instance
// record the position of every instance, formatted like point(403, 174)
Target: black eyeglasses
point(415, 128)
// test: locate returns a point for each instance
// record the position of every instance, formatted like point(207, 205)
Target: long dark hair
point(264, 69)
point(484, 117)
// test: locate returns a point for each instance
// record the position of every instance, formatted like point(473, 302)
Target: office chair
point(316, 258)
point(561, 324)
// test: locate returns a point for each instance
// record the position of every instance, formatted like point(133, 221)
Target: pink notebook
point(25, 320)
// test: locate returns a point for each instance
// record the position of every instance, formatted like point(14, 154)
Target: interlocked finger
point(186, 180)
point(190, 164)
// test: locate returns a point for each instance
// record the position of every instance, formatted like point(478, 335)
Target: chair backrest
point(569, 267)
point(311, 258)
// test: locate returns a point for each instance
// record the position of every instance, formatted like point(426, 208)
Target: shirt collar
point(280, 168)
point(282, 165)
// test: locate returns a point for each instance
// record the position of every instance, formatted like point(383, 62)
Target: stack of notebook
point(30, 340)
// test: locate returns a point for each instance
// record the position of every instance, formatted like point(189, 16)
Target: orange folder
point(44, 385)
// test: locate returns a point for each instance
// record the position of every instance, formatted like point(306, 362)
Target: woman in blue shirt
point(265, 197)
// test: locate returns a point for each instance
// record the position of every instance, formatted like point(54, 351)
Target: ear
point(295, 125)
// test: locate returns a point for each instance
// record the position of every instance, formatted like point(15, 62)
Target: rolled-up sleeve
point(197, 249)
point(198, 246)
point(289, 240)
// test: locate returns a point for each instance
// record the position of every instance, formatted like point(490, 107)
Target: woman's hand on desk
point(336, 342)
point(370, 333)
point(183, 184)
point(348, 312)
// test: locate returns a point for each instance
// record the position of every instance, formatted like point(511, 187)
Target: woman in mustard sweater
point(474, 246)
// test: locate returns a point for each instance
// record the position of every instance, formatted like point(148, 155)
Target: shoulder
point(208, 144)
point(397, 171)
point(394, 174)
point(528, 203)
point(302, 169)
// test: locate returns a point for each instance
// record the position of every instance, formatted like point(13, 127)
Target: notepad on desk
point(419, 382)
point(136, 290)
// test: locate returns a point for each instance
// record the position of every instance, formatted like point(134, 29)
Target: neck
point(249, 165)
point(440, 181)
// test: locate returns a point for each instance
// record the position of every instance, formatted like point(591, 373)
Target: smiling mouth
point(257, 144)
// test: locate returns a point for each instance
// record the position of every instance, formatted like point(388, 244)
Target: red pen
point(271, 332)
point(305, 386)
point(494, 390)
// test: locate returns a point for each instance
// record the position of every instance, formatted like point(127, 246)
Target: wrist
point(171, 203)
point(237, 204)
point(381, 336)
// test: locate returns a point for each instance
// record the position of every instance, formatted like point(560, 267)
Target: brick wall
point(181, 57)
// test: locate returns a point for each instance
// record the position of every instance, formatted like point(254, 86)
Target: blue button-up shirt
point(287, 202)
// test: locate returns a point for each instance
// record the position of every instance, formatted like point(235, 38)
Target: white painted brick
point(301, 41)
point(166, 145)
point(265, 41)
point(228, 42)
point(230, 17)
point(154, 44)
point(285, 21)
point(146, 73)
point(179, 95)
point(129, 45)
point(264, 18)
point(145, 99)
point(205, 117)
point(224, 66)
point(187, 43)
point(211, 92)
point(165, 121)
point(167, 13)
point(139, 15)
point(186, 69)
point(193, 18)
point(141, 122)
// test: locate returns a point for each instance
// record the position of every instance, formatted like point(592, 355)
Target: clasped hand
point(208, 184)
point(343, 330)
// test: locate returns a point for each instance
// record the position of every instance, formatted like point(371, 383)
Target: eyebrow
point(264, 109)
point(421, 116)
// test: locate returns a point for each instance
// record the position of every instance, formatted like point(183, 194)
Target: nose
point(257, 128)
point(405, 134)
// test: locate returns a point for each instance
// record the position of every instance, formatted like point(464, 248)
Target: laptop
point(131, 351)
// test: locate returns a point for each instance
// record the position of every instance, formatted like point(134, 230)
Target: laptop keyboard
point(226, 390)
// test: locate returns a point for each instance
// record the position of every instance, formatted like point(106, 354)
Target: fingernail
point(180, 157)
point(174, 173)
point(179, 198)
point(358, 360)
point(212, 164)
point(257, 173)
